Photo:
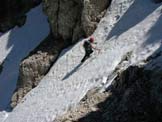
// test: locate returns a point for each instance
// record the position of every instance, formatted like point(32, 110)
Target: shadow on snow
point(73, 71)
point(21, 41)
point(135, 17)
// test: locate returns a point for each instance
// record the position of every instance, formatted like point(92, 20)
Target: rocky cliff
point(72, 19)
point(134, 95)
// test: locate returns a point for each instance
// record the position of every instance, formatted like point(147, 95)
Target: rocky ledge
point(134, 96)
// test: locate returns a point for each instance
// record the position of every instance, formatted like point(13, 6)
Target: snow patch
point(3, 116)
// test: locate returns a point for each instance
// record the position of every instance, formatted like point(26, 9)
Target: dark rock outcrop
point(13, 12)
point(157, 1)
point(1, 67)
point(134, 96)
point(72, 19)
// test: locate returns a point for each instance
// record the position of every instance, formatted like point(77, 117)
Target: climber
point(88, 47)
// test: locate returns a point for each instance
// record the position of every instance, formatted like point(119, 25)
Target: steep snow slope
point(129, 26)
point(14, 46)
point(3, 116)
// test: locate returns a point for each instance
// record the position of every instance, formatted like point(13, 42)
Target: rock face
point(12, 12)
point(157, 1)
point(72, 19)
point(134, 96)
point(1, 67)
point(34, 67)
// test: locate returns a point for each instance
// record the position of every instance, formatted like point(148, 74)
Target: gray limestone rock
point(34, 67)
point(72, 19)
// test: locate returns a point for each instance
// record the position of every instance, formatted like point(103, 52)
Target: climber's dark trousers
point(87, 55)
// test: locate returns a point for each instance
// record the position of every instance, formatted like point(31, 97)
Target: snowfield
point(14, 46)
point(130, 26)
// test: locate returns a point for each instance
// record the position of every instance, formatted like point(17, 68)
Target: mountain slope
point(129, 27)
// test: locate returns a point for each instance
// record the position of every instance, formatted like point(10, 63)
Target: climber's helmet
point(91, 39)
